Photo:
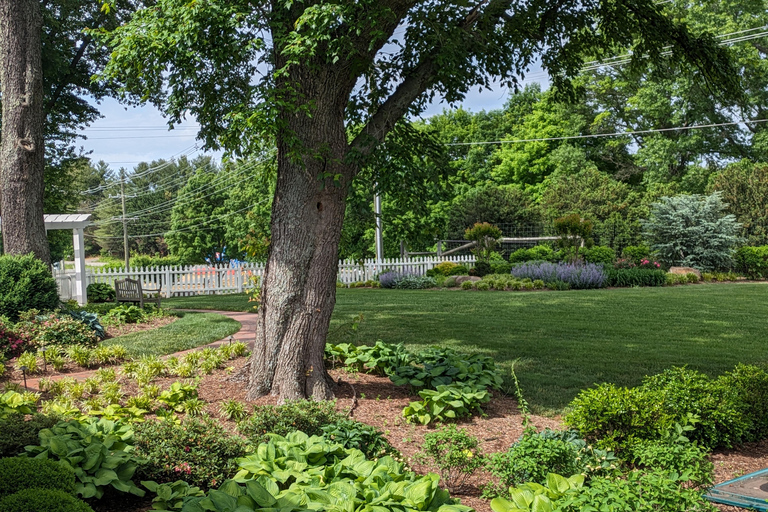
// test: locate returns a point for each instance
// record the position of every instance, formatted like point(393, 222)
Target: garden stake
point(24, 374)
point(230, 340)
point(45, 362)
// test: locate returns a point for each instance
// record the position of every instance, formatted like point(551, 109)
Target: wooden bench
point(130, 290)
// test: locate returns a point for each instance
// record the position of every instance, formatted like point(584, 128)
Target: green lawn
point(562, 341)
point(189, 331)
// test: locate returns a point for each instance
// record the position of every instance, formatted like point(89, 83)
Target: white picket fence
point(184, 280)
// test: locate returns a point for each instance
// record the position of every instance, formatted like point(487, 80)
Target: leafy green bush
point(692, 231)
point(726, 411)
point(171, 496)
point(467, 285)
point(12, 343)
point(91, 320)
point(42, 500)
point(444, 268)
point(675, 454)
point(536, 455)
point(450, 282)
point(455, 453)
point(98, 450)
point(635, 277)
point(536, 253)
point(16, 431)
point(380, 359)
point(599, 254)
point(25, 283)
point(353, 434)
point(752, 261)
point(447, 403)
point(441, 366)
point(305, 415)
point(18, 473)
point(481, 268)
point(482, 286)
point(637, 253)
point(100, 292)
point(59, 331)
point(198, 451)
point(537, 497)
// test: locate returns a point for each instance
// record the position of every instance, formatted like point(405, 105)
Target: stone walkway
point(246, 334)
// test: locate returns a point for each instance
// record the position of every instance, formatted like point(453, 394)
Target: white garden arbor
point(77, 222)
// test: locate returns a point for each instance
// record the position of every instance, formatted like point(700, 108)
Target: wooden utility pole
point(22, 147)
point(125, 221)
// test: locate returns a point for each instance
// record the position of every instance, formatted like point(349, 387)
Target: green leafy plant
point(456, 455)
point(635, 277)
point(486, 237)
point(752, 261)
point(99, 451)
point(89, 319)
point(100, 292)
point(25, 283)
point(535, 497)
point(15, 402)
point(353, 434)
point(177, 395)
point(467, 285)
point(441, 366)
point(447, 403)
point(125, 314)
point(233, 410)
point(18, 430)
point(197, 450)
point(171, 496)
point(28, 360)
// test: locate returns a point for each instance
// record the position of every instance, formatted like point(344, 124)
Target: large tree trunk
point(22, 145)
point(299, 287)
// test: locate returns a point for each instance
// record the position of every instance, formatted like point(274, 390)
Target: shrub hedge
point(25, 283)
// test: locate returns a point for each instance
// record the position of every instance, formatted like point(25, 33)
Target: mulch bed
point(121, 330)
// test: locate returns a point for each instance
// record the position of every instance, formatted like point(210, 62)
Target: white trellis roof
point(67, 220)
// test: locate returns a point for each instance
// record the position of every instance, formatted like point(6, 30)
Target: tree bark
point(22, 146)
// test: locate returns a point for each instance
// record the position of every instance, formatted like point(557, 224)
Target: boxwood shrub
point(19, 473)
point(42, 500)
point(25, 283)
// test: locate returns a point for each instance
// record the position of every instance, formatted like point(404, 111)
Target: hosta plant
point(447, 403)
point(533, 497)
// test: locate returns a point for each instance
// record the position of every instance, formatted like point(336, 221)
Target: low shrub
point(450, 282)
point(537, 454)
point(125, 314)
point(599, 255)
point(16, 431)
point(501, 267)
point(482, 286)
point(198, 451)
point(481, 268)
point(379, 359)
point(467, 285)
point(437, 366)
point(405, 281)
point(676, 454)
point(60, 331)
point(12, 343)
point(536, 253)
point(724, 411)
point(19, 473)
point(455, 453)
point(307, 416)
point(637, 253)
point(578, 276)
point(42, 500)
point(100, 292)
point(635, 277)
point(25, 283)
point(752, 261)
point(444, 269)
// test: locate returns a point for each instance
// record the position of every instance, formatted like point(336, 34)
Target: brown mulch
point(154, 323)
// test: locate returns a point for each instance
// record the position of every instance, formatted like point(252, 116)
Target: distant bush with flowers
point(576, 275)
point(12, 343)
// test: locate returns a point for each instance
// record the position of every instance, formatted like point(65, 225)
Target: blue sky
point(126, 136)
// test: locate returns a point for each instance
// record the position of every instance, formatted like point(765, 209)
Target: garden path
point(246, 334)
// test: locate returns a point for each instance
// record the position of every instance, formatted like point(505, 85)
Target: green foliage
point(574, 231)
point(486, 237)
point(171, 496)
point(100, 292)
point(635, 277)
point(447, 403)
point(725, 411)
point(744, 186)
point(752, 261)
point(99, 451)
point(446, 268)
point(675, 454)
point(18, 473)
point(197, 450)
point(455, 453)
point(450, 282)
point(58, 331)
point(89, 319)
point(305, 415)
point(353, 434)
point(599, 254)
point(20, 430)
point(536, 455)
point(42, 500)
point(637, 253)
point(639, 491)
point(692, 231)
point(125, 314)
point(467, 285)
point(299, 469)
point(379, 359)
point(492, 204)
point(535, 253)
point(537, 497)
point(482, 286)
point(25, 283)
point(442, 366)
point(14, 402)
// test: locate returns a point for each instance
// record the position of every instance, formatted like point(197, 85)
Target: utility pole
point(379, 234)
point(125, 221)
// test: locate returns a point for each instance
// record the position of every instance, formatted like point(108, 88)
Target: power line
point(601, 135)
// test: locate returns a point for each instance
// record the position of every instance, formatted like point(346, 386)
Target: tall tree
point(340, 76)
point(22, 145)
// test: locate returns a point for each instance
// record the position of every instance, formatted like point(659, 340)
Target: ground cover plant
point(560, 354)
